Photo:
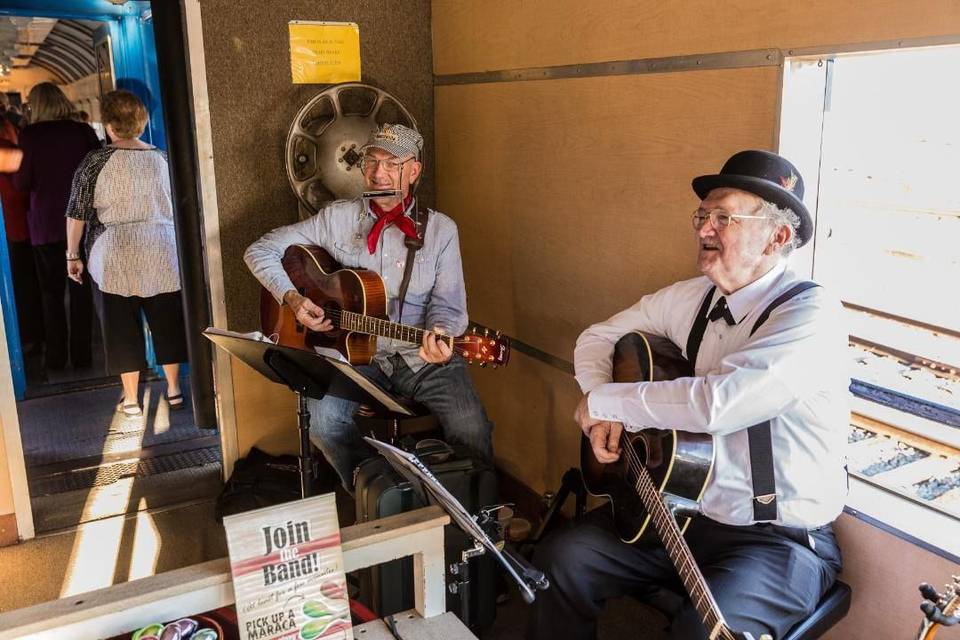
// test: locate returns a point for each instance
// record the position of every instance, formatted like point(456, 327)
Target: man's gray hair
point(782, 217)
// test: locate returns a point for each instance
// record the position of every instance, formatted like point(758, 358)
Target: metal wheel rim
point(323, 165)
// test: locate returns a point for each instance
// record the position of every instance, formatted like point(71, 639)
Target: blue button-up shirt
point(436, 295)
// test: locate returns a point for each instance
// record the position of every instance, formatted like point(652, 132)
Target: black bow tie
point(720, 310)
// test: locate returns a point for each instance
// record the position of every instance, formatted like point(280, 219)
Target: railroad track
point(921, 468)
point(917, 468)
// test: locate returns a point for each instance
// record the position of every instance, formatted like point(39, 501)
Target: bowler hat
point(764, 174)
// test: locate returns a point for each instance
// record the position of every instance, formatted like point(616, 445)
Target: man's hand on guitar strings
point(605, 441)
point(582, 415)
point(433, 350)
point(306, 312)
point(604, 435)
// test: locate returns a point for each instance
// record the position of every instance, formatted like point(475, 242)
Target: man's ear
point(781, 237)
point(416, 169)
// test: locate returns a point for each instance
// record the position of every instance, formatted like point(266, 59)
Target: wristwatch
point(72, 256)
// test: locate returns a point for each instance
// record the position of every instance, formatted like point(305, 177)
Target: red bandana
point(386, 218)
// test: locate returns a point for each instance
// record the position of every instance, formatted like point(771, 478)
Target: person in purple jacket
point(53, 146)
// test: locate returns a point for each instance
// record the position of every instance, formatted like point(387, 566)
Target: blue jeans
point(447, 391)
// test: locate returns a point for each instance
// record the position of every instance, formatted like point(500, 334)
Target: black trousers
point(765, 579)
point(123, 339)
point(52, 276)
point(26, 291)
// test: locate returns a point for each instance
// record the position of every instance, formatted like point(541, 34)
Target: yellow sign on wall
point(324, 52)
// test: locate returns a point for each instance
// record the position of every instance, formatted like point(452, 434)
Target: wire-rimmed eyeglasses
point(719, 218)
point(390, 165)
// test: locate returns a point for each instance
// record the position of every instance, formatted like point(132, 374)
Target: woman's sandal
point(130, 409)
point(175, 402)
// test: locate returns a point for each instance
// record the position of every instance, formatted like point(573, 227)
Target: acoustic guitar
point(939, 610)
point(661, 474)
point(355, 301)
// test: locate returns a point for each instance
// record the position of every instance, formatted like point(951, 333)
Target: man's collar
point(742, 301)
point(376, 210)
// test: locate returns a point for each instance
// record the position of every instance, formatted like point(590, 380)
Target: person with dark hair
point(9, 112)
point(53, 146)
point(121, 195)
point(769, 385)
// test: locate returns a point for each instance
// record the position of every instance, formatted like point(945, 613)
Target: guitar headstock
point(939, 609)
point(485, 347)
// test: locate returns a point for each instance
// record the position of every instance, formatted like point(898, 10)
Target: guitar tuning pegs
point(486, 332)
point(473, 330)
point(497, 334)
point(929, 592)
point(483, 364)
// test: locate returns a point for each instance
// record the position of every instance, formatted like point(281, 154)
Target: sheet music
point(338, 363)
point(367, 385)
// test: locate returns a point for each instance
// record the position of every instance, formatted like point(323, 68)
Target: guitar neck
point(676, 545)
point(360, 323)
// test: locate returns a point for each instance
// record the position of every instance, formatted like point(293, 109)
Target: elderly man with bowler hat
point(372, 233)
point(769, 385)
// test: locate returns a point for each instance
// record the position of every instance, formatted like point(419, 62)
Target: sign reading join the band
point(287, 571)
point(324, 52)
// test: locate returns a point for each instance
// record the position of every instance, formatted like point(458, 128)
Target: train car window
point(880, 133)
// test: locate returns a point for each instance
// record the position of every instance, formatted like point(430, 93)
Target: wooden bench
point(203, 587)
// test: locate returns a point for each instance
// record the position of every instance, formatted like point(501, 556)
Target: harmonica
point(383, 193)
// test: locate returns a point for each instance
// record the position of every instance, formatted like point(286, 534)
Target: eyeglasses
point(368, 164)
point(719, 218)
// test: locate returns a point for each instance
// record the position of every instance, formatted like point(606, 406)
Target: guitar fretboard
point(360, 323)
point(676, 545)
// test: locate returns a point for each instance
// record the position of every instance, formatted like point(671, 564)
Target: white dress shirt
point(792, 372)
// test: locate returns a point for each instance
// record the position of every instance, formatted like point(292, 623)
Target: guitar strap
point(413, 245)
point(758, 436)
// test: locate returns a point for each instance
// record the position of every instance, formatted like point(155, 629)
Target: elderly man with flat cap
point(769, 384)
point(376, 234)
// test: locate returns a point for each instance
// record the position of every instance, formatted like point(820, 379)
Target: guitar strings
point(643, 478)
point(339, 315)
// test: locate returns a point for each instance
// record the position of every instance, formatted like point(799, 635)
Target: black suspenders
point(760, 440)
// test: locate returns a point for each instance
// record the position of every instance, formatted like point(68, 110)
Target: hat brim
point(391, 148)
point(779, 196)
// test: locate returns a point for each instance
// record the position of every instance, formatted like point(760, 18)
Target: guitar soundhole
point(648, 445)
point(640, 446)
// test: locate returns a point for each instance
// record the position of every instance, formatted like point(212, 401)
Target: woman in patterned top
point(121, 194)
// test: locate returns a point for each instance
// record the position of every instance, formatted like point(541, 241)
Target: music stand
point(430, 491)
point(309, 375)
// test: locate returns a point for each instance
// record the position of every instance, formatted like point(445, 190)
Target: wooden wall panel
point(531, 405)
point(510, 34)
point(573, 197)
point(885, 571)
point(266, 413)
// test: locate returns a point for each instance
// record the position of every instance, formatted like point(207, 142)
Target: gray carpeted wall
point(252, 102)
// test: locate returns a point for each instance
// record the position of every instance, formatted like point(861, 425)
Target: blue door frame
point(10, 324)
